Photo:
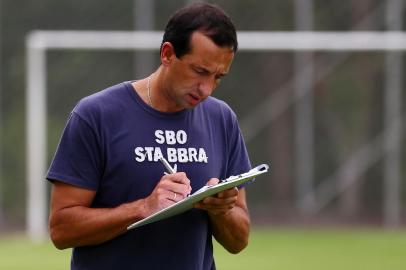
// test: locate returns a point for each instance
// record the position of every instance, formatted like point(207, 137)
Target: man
point(106, 172)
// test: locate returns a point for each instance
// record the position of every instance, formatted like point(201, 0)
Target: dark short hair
point(209, 19)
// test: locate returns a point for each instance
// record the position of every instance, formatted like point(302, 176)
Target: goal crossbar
point(248, 40)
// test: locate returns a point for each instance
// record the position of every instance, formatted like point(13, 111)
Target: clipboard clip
point(263, 168)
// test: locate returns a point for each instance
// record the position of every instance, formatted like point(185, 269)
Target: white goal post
point(39, 42)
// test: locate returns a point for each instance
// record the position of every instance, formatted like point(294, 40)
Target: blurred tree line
point(348, 101)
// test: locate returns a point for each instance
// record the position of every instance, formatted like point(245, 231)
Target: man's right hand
point(169, 190)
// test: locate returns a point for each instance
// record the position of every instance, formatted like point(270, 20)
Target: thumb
point(212, 181)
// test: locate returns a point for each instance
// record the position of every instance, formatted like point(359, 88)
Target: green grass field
point(281, 249)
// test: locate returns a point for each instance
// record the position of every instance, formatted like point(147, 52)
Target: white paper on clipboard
point(206, 191)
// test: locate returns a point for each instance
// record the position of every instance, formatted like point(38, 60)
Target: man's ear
point(167, 53)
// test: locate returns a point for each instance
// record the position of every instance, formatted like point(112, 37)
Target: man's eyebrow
point(200, 67)
point(208, 71)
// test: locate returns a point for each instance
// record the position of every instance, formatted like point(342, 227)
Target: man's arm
point(74, 223)
point(229, 218)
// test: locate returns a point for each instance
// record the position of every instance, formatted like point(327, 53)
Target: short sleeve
point(238, 159)
point(78, 159)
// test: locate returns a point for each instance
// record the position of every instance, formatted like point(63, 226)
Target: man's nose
point(207, 85)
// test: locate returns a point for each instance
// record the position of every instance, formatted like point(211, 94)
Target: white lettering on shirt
point(173, 155)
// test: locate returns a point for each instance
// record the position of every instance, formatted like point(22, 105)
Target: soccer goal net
point(67, 44)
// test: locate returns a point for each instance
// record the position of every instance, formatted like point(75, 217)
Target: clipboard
point(205, 191)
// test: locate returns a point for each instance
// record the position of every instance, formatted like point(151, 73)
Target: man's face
point(194, 76)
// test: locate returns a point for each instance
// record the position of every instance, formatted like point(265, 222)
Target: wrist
point(136, 210)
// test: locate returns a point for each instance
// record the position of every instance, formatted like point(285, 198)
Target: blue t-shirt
point(112, 144)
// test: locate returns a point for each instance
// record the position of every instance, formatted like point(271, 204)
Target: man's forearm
point(231, 230)
point(79, 225)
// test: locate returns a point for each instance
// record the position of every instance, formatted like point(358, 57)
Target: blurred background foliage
point(348, 101)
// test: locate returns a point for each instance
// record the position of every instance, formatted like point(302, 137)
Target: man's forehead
point(199, 39)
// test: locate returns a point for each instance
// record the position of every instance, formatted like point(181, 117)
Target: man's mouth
point(194, 99)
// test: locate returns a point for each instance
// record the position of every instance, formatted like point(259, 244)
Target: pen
point(168, 167)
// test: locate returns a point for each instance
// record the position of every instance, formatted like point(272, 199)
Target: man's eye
point(200, 71)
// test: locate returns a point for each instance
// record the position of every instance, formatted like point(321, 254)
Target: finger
point(174, 192)
point(178, 178)
point(212, 182)
point(181, 190)
point(211, 203)
point(175, 184)
point(232, 192)
point(213, 208)
point(175, 197)
point(214, 202)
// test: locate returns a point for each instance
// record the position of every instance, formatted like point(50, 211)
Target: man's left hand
point(220, 203)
